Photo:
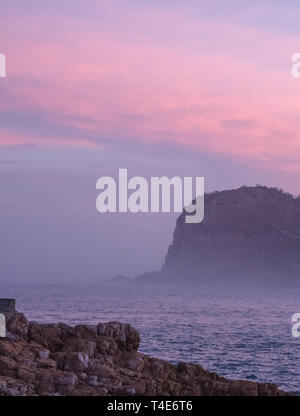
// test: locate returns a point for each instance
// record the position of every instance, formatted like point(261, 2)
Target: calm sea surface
point(241, 335)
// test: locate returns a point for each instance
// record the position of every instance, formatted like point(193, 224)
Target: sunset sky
point(169, 87)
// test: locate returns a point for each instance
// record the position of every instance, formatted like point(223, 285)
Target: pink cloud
point(9, 138)
point(161, 76)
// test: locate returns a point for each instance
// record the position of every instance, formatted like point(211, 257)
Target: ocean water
point(238, 335)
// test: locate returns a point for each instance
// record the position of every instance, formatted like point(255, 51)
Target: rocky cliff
point(248, 235)
point(100, 360)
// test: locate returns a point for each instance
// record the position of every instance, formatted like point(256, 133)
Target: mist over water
point(241, 335)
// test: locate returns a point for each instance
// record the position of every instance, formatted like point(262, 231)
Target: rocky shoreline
point(101, 360)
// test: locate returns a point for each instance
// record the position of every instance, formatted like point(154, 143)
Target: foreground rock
point(56, 359)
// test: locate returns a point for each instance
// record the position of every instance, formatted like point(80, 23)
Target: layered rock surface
point(100, 360)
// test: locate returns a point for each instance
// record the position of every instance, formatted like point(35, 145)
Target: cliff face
point(251, 234)
point(102, 360)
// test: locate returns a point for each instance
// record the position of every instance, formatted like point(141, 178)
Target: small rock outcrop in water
point(100, 360)
point(120, 279)
point(249, 235)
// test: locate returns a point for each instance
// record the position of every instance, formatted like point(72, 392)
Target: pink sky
point(153, 74)
point(166, 87)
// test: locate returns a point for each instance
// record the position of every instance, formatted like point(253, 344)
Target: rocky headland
point(100, 360)
point(249, 235)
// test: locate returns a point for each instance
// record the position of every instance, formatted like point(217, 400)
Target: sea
point(240, 335)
